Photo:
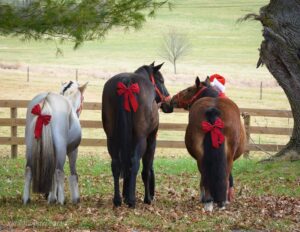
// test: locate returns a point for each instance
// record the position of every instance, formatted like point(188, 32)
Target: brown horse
point(130, 104)
point(215, 137)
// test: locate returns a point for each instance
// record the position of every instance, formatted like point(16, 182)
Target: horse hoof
point(25, 202)
point(62, 202)
point(221, 205)
point(147, 201)
point(76, 201)
point(208, 207)
point(117, 202)
point(131, 205)
point(52, 201)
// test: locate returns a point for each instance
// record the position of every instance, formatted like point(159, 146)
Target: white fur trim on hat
point(218, 85)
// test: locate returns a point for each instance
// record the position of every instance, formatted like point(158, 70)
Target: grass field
point(272, 205)
point(267, 199)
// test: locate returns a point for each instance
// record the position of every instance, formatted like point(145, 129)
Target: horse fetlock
point(26, 193)
point(52, 198)
point(60, 186)
point(73, 183)
point(209, 206)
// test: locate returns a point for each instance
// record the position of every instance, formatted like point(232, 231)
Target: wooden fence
point(14, 122)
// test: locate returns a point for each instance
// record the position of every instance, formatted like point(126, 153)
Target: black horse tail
point(124, 137)
point(214, 163)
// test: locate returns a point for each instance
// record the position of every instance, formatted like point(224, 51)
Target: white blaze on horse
point(52, 132)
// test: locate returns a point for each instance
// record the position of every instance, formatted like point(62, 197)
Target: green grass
point(259, 186)
point(218, 42)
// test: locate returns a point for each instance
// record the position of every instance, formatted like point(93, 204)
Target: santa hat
point(218, 81)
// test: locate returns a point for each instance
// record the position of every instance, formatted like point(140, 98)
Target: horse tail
point(123, 133)
point(43, 155)
point(214, 162)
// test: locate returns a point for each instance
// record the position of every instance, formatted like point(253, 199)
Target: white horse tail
point(43, 155)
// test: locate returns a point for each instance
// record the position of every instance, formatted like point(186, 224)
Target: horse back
point(146, 116)
point(233, 128)
point(63, 119)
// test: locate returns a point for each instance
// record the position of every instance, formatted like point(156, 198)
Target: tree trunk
point(280, 52)
point(174, 63)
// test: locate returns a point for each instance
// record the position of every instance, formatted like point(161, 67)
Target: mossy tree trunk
point(280, 52)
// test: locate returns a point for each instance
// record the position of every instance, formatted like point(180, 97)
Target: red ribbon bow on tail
point(216, 134)
point(41, 120)
point(129, 95)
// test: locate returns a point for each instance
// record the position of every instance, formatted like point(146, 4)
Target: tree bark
point(175, 69)
point(280, 52)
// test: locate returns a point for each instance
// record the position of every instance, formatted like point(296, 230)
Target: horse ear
point(83, 87)
point(156, 68)
point(197, 82)
point(207, 81)
point(152, 64)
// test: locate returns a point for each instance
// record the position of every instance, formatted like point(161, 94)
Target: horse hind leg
point(57, 190)
point(59, 172)
point(28, 178)
point(115, 167)
point(60, 186)
point(148, 172)
point(73, 178)
point(139, 151)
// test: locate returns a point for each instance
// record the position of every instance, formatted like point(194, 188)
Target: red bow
point(41, 120)
point(216, 134)
point(129, 95)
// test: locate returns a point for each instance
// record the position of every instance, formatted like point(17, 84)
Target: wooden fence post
point(14, 132)
point(28, 74)
point(77, 75)
point(246, 117)
point(261, 89)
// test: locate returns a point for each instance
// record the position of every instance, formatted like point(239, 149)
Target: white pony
point(52, 132)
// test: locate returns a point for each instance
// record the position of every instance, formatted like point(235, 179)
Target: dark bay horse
point(130, 104)
point(215, 137)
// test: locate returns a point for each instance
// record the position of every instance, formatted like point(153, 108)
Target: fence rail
point(14, 122)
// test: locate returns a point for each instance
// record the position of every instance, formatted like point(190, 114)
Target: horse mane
point(143, 70)
point(209, 91)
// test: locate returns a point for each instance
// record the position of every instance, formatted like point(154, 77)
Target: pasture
point(267, 194)
point(267, 198)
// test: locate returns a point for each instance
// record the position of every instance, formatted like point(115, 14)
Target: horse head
point(154, 75)
point(185, 98)
point(74, 93)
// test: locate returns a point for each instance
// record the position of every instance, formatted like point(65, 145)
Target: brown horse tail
point(43, 155)
point(214, 162)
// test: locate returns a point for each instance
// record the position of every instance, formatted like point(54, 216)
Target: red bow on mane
point(129, 95)
point(217, 136)
point(41, 120)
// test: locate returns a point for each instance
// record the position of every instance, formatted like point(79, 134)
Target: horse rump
point(214, 161)
point(43, 156)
